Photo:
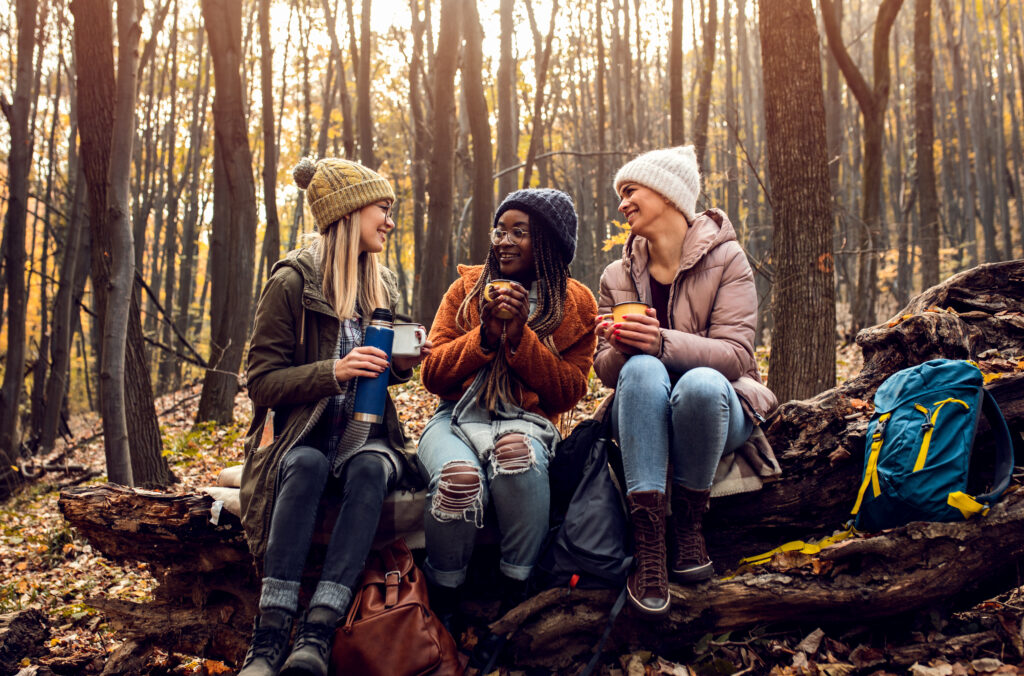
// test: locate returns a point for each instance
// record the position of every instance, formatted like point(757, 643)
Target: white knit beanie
point(672, 172)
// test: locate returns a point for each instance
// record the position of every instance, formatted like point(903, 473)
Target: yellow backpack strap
point(812, 547)
point(967, 505)
point(871, 471)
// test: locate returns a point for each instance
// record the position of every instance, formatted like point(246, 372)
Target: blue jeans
point(303, 476)
point(692, 424)
point(460, 487)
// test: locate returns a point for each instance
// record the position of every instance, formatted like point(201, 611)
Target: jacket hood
point(707, 231)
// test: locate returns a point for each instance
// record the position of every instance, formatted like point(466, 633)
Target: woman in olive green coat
point(305, 355)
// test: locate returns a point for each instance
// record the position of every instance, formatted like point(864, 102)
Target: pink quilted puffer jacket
point(712, 309)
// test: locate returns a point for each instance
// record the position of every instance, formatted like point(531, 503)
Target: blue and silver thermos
point(371, 393)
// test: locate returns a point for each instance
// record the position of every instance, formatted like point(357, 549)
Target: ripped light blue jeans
point(454, 513)
point(692, 423)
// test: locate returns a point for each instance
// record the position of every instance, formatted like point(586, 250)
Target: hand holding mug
point(638, 333)
point(502, 300)
point(517, 302)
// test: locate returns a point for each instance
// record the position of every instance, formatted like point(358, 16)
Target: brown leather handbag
point(390, 629)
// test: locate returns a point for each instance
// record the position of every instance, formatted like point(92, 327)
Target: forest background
point(863, 151)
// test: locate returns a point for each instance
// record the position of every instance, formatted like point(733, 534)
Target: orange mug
point(489, 294)
point(620, 310)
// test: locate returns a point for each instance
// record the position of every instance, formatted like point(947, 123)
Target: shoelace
point(691, 547)
point(649, 550)
point(267, 642)
point(317, 635)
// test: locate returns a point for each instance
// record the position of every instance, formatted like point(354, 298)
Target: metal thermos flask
point(371, 393)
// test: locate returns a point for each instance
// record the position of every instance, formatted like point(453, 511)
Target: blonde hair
point(348, 274)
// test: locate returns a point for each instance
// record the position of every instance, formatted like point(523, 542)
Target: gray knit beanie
point(555, 211)
point(671, 172)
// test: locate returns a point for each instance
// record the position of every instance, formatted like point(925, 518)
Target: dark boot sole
point(302, 667)
point(692, 575)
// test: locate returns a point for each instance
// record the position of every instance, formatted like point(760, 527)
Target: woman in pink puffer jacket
point(687, 388)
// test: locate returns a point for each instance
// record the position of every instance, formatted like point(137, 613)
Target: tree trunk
point(420, 148)
point(272, 236)
point(120, 253)
point(924, 117)
point(68, 290)
point(537, 134)
point(872, 100)
point(172, 186)
point(709, 31)
point(437, 249)
point(233, 241)
point(507, 182)
point(365, 114)
point(189, 234)
point(802, 361)
point(15, 224)
point(677, 114)
point(967, 240)
point(480, 128)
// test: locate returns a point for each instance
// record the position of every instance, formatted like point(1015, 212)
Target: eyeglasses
point(515, 235)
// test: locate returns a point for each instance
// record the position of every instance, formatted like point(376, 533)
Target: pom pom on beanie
point(336, 187)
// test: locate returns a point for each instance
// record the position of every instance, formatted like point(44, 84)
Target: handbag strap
point(392, 577)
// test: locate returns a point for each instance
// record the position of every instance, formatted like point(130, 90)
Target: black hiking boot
point(312, 651)
point(270, 633)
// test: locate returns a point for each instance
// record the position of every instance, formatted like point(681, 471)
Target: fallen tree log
point(208, 587)
point(895, 572)
point(820, 441)
point(22, 634)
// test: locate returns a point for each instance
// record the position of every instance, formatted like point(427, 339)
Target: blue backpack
point(919, 445)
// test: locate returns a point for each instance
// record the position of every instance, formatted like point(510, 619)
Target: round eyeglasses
point(515, 235)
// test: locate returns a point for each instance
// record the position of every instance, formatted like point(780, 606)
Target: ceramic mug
point(409, 339)
point(489, 295)
point(620, 310)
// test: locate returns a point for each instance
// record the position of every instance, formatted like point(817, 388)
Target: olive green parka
point(291, 379)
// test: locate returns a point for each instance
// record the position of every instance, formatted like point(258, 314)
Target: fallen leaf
point(859, 404)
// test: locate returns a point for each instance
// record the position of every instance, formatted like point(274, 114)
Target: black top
point(659, 299)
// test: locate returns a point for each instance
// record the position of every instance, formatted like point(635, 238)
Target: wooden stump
point(22, 634)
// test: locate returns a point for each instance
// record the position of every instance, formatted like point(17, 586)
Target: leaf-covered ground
point(45, 565)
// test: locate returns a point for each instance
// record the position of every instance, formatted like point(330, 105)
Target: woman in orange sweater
point(505, 366)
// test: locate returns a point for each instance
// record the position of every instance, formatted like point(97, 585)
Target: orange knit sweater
point(551, 384)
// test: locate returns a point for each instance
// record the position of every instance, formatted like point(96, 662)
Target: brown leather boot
point(690, 562)
point(648, 583)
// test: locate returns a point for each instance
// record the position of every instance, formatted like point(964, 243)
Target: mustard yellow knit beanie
point(336, 187)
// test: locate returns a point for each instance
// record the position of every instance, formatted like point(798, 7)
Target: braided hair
point(552, 279)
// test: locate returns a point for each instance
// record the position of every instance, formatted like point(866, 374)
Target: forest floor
point(46, 566)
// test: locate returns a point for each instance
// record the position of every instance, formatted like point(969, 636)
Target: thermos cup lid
point(381, 314)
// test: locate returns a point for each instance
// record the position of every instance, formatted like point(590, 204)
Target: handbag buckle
point(396, 573)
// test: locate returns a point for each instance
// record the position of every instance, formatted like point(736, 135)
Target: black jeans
point(302, 478)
